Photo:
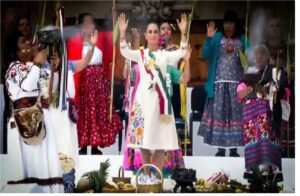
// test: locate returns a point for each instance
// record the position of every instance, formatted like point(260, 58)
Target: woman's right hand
point(211, 30)
point(243, 93)
point(135, 33)
point(41, 57)
point(123, 23)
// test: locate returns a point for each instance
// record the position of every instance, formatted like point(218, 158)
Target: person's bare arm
point(186, 73)
point(81, 64)
point(133, 55)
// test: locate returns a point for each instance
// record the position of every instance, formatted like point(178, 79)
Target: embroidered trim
point(39, 181)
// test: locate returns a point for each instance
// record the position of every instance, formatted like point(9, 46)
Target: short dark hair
point(232, 16)
point(16, 28)
point(23, 17)
point(82, 16)
point(163, 22)
point(11, 52)
point(151, 22)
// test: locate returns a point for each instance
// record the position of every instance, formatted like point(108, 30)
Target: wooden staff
point(64, 65)
point(113, 65)
point(186, 128)
point(54, 51)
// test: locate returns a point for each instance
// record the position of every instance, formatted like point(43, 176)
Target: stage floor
point(204, 166)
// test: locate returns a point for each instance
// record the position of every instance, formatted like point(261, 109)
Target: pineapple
point(97, 178)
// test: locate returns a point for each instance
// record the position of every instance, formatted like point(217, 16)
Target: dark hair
point(82, 16)
point(163, 22)
point(17, 24)
point(232, 16)
point(23, 17)
point(11, 52)
point(15, 41)
point(151, 22)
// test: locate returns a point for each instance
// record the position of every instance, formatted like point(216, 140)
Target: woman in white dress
point(36, 162)
point(67, 138)
point(151, 125)
point(40, 163)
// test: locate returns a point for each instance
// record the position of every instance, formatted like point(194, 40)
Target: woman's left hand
point(183, 23)
point(123, 23)
point(94, 38)
point(135, 33)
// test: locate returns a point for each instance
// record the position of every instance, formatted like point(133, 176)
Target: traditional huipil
point(151, 121)
point(133, 157)
point(92, 97)
point(221, 125)
point(31, 163)
point(261, 136)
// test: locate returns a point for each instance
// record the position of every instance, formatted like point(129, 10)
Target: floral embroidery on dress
point(136, 127)
point(17, 71)
point(257, 129)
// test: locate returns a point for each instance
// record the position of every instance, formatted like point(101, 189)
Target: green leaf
point(116, 32)
point(97, 178)
point(190, 18)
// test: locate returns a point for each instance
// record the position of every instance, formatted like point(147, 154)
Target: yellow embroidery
point(151, 64)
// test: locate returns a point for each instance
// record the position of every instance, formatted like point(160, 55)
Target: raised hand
point(123, 23)
point(135, 33)
point(211, 30)
point(94, 38)
point(183, 23)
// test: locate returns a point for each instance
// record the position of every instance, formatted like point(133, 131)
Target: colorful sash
point(159, 83)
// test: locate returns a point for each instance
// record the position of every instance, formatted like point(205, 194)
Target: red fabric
point(104, 43)
point(93, 125)
point(74, 47)
point(92, 94)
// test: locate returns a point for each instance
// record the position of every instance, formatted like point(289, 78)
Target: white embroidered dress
point(147, 129)
point(30, 161)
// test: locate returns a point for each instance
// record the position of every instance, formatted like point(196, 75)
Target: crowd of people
point(242, 108)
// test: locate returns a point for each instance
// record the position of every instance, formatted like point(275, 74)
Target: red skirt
point(93, 101)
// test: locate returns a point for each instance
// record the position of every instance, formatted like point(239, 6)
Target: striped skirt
point(262, 147)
